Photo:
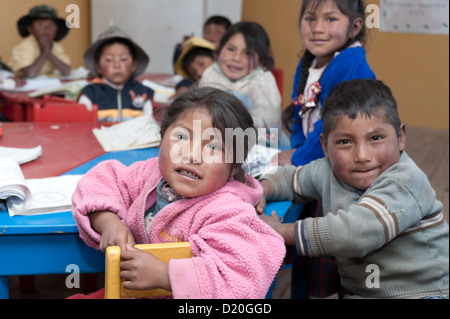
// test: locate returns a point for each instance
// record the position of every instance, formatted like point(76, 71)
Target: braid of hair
point(288, 112)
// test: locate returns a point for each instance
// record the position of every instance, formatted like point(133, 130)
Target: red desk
point(65, 145)
point(15, 105)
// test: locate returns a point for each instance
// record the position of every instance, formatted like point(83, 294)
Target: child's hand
point(19, 81)
point(142, 270)
point(113, 231)
point(273, 220)
point(45, 45)
point(118, 235)
point(261, 205)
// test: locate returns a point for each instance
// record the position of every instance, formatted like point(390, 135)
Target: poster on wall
point(414, 16)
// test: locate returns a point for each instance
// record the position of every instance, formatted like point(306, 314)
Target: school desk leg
point(4, 287)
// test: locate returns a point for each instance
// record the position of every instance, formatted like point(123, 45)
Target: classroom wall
point(415, 66)
point(76, 41)
point(158, 25)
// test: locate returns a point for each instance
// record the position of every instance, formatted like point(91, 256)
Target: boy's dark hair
point(220, 20)
point(353, 9)
point(256, 39)
point(98, 52)
point(226, 110)
point(359, 97)
point(191, 55)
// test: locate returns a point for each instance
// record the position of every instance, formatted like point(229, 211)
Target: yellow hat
point(190, 44)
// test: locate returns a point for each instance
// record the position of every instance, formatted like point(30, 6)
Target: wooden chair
point(165, 252)
point(54, 109)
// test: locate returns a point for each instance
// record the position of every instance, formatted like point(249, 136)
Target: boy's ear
point(356, 27)
point(323, 142)
point(402, 138)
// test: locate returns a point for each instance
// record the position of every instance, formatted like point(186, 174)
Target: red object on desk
point(13, 105)
point(17, 106)
point(56, 109)
point(65, 145)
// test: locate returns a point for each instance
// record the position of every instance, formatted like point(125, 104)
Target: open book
point(68, 91)
point(163, 93)
point(34, 196)
point(136, 133)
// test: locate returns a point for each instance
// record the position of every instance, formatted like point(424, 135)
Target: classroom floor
point(428, 148)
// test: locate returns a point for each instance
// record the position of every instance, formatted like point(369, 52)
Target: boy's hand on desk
point(272, 220)
point(287, 231)
point(261, 205)
point(142, 270)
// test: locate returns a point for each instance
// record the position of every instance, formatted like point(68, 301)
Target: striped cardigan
point(391, 241)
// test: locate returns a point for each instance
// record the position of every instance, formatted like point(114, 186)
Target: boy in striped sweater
point(381, 220)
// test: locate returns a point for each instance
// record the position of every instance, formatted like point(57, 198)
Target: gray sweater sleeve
point(356, 223)
point(281, 179)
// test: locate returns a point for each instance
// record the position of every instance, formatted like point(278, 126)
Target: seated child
point(181, 87)
point(382, 220)
point(197, 55)
point(38, 53)
point(196, 191)
point(118, 61)
point(244, 66)
point(213, 30)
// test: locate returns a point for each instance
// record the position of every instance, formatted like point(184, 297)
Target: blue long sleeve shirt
point(350, 64)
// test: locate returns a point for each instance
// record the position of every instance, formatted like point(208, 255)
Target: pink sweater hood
point(235, 254)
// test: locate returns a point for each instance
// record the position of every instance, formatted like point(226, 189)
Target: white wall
point(157, 25)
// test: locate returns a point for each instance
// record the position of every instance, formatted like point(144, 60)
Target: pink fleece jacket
point(235, 254)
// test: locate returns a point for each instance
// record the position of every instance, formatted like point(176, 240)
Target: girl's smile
point(361, 149)
point(234, 59)
point(325, 30)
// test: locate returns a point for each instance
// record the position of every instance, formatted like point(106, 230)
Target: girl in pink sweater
point(195, 191)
